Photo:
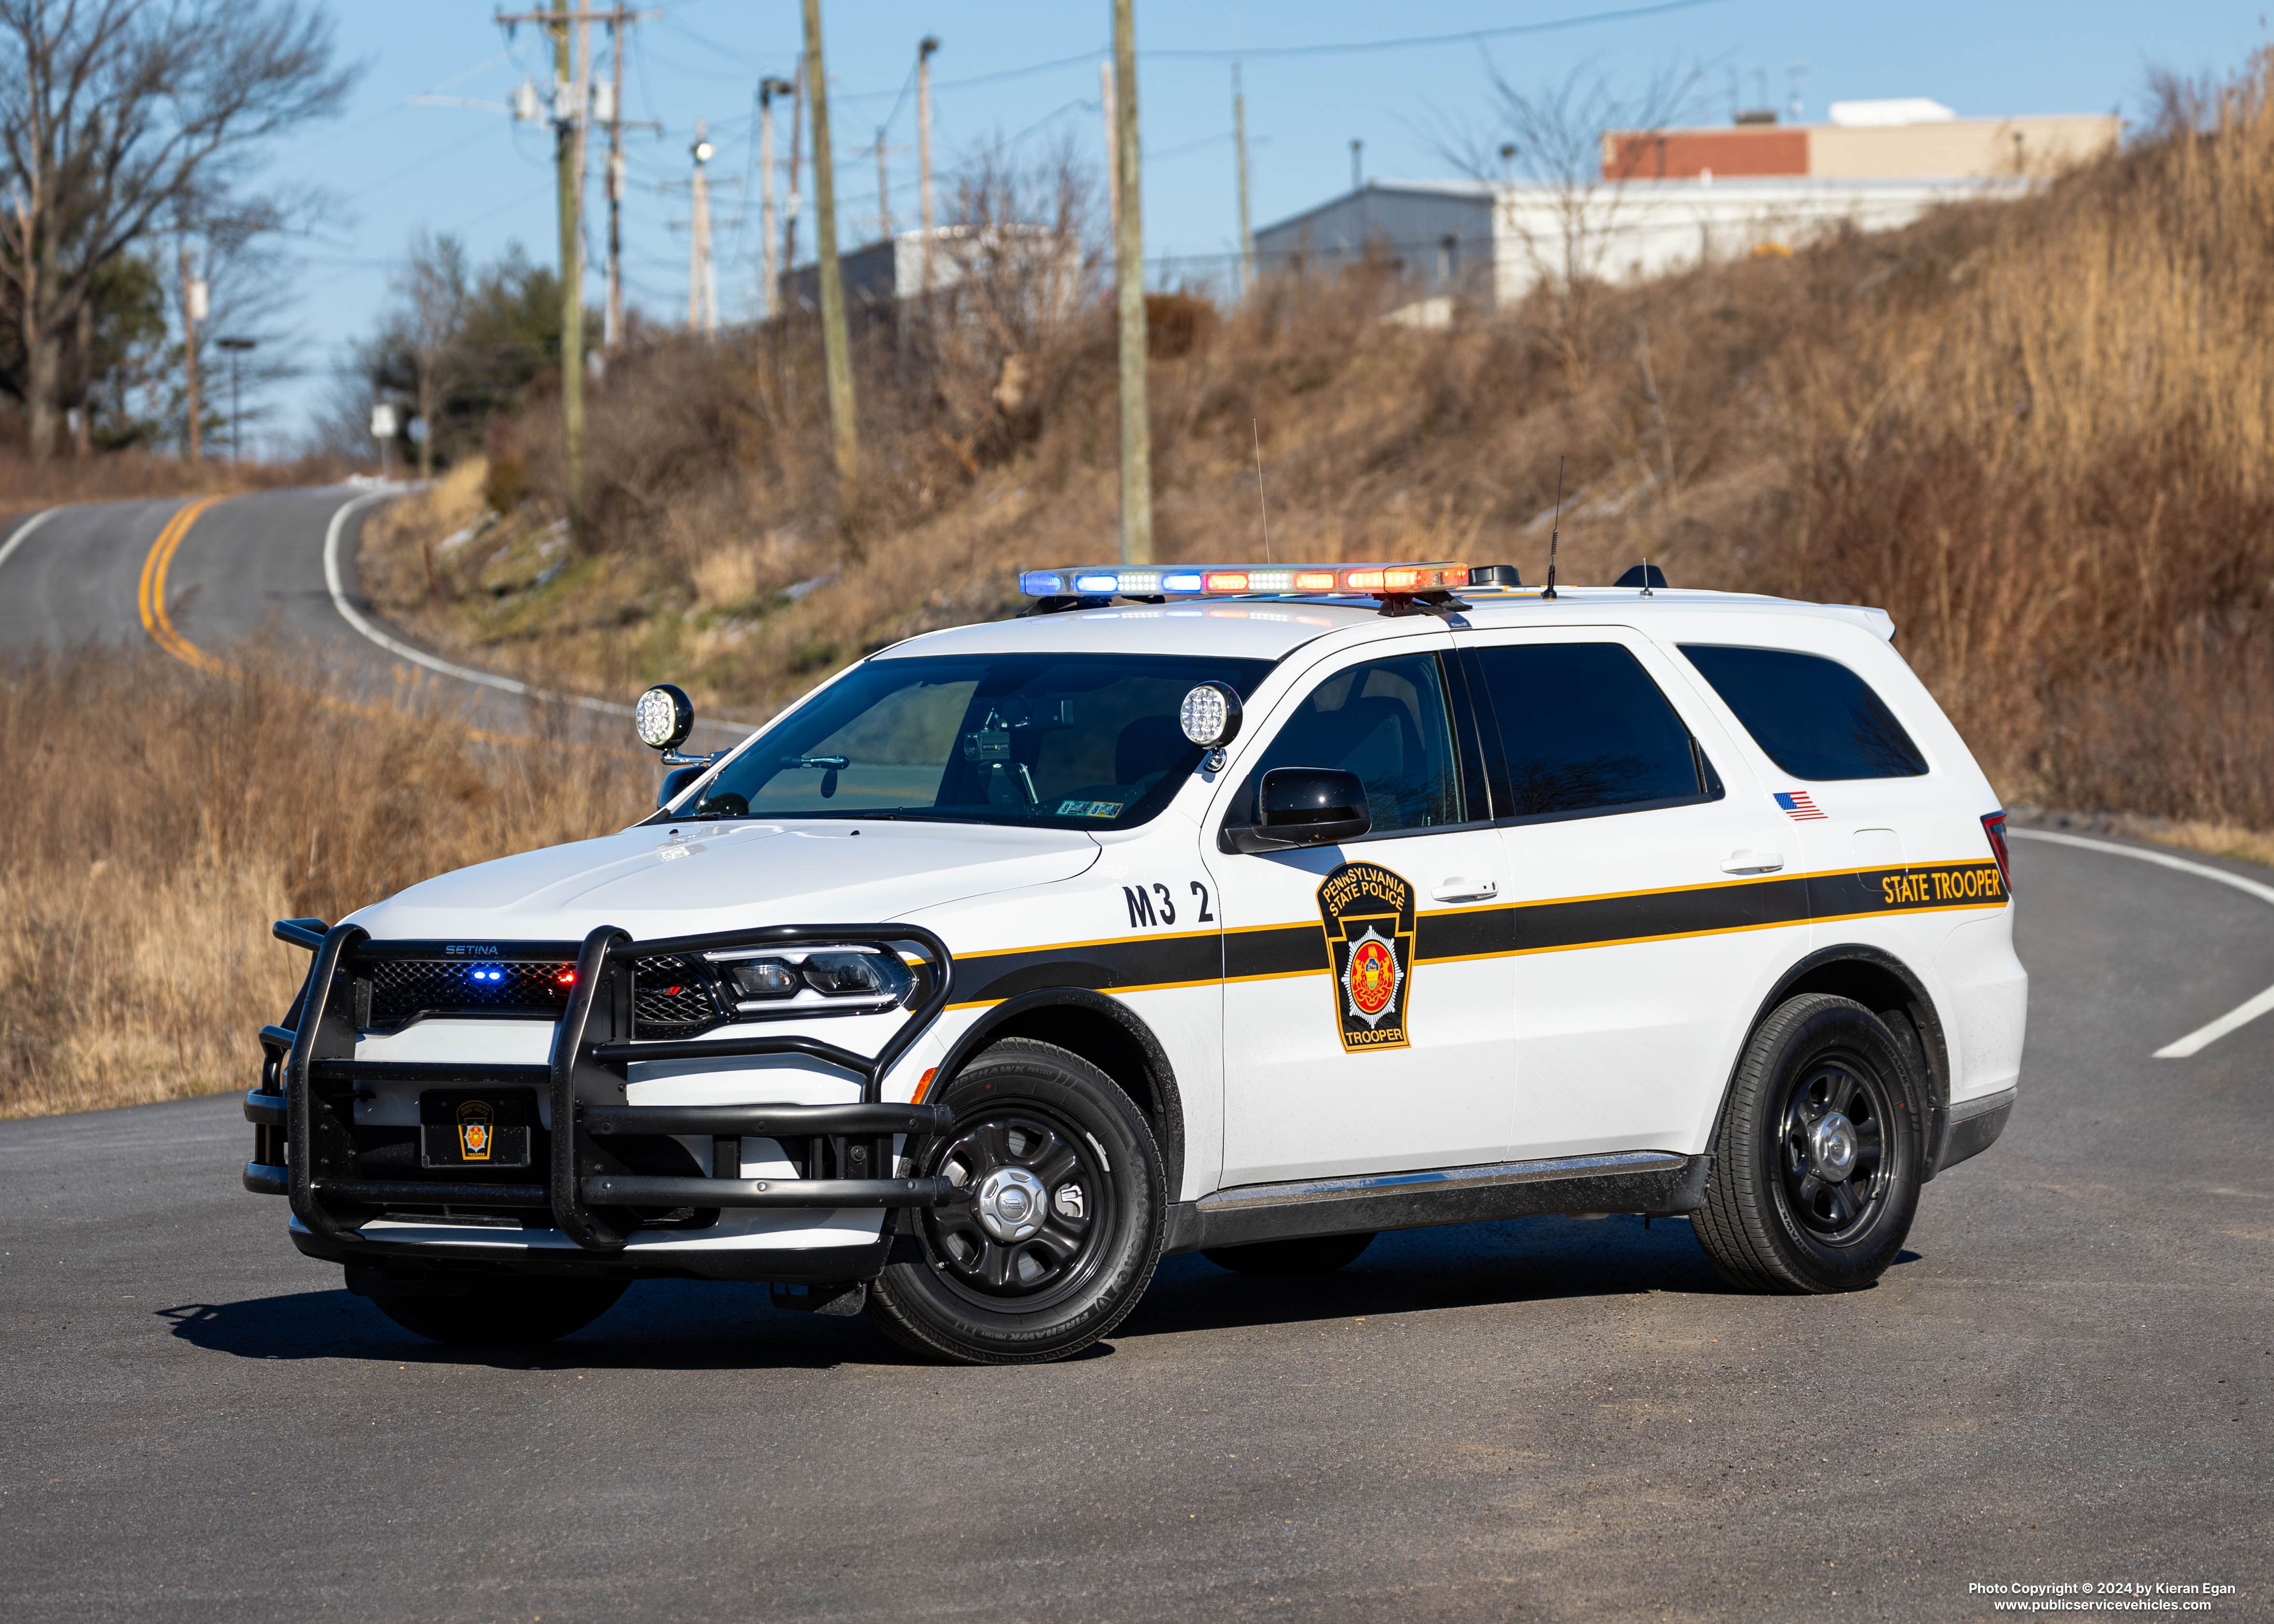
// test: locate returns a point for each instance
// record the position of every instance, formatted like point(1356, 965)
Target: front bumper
point(584, 1186)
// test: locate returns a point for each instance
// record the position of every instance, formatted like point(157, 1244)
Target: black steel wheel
point(1059, 1220)
point(506, 1313)
point(1308, 1254)
point(1818, 1156)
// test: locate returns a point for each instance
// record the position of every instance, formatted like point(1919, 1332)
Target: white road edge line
point(335, 580)
point(2242, 1014)
point(26, 529)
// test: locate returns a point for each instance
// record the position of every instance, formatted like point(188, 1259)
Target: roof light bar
point(1236, 580)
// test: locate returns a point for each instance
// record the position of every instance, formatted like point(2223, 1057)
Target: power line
point(1415, 42)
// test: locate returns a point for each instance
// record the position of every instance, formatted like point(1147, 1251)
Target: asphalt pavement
point(2065, 1380)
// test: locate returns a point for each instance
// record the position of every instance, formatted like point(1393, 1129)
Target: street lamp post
point(235, 348)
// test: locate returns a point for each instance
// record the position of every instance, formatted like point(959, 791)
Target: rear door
point(1649, 879)
point(1366, 1018)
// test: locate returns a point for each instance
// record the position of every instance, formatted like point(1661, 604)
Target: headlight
point(857, 976)
point(761, 978)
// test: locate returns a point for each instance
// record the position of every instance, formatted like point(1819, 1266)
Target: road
point(254, 565)
point(2067, 1378)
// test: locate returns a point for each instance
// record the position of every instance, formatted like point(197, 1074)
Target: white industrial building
point(1668, 199)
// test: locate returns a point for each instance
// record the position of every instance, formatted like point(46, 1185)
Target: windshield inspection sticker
point(1091, 809)
point(1368, 914)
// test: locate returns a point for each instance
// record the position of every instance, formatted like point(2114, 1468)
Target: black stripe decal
point(1528, 928)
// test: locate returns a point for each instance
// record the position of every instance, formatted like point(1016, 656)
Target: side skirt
point(1635, 1181)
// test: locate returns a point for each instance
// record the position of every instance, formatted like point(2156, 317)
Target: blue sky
point(1028, 70)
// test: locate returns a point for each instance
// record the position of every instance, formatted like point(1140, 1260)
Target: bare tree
point(118, 117)
point(1558, 137)
point(433, 290)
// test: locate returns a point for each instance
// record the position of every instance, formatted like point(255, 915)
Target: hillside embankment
point(2035, 432)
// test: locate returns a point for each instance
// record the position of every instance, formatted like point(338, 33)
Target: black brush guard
point(593, 1050)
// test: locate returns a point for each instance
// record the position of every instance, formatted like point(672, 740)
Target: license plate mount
point(476, 1128)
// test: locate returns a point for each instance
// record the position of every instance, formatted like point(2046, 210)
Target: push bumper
point(303, 1142)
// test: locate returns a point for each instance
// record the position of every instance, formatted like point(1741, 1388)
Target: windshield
point(1056, 741)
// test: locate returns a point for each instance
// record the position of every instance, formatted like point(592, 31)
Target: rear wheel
point(503, 1315)
point(1059, 1222)
point(1312, 1254)
point(1817, 1160)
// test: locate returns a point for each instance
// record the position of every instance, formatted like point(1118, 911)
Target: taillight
point(1993, 824)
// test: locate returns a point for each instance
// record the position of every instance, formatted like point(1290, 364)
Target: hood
point(662, 879)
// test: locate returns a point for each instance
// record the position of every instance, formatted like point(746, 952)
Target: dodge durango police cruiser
point(1251, 910)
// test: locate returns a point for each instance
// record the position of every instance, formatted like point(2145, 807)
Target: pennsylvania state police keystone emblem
point(1368, 914)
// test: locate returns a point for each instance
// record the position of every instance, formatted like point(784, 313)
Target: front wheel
point(1817, 1160)
point(1057, 1221)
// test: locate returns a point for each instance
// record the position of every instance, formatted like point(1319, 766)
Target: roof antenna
point(1257, 429)
point(1646, 593)
point(1556, 531)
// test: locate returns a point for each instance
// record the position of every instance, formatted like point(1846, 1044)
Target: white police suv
point(1252, 910)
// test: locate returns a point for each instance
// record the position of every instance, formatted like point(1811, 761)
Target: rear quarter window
point(1811, 716)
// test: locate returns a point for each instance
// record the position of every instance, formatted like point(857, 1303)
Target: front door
point(1366, 1018)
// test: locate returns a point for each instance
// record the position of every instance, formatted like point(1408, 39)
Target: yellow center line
point(151, 603)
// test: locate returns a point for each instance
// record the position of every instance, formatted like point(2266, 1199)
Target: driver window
point(1386, 721)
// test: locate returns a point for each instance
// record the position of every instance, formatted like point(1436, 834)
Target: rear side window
point(1583, 728)
point(1811, 716)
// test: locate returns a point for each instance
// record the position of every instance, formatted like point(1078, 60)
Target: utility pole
point(1357, 164)
point(570, 109)
point(796, 135)
point(193, 312)
point(883, 191)
point(613, 323)
point(924, 48)
point(235, 348)
point(768, 87)
point(1105, 101)
point(836, 352)
point(1239, 144)
point(702, 280)
point(1129, 269)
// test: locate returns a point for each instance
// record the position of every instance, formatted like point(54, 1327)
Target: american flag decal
point(1796, 804)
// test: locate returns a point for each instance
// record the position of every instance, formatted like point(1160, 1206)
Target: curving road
point(2067, 1378)
point(198, 575)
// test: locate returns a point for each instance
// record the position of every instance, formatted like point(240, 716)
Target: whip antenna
point(1556, 530)
point(1256, 429)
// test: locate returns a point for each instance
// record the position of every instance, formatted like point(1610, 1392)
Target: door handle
point(1457, 889)
point(1752, 862)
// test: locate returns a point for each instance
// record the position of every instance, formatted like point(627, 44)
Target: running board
point(1656, 1182)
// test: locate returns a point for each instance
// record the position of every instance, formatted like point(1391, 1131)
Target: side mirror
point(1306, 806)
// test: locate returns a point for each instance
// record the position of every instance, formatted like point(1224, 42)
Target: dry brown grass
point(143, 860)
point(2037, 434)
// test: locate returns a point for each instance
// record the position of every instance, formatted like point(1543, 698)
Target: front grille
point(672, 997)
point(402, 990)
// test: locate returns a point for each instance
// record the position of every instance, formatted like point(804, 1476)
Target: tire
point(515, 1314)
point(1312, 1254)
point(971, 1282)
point(1796, 1204)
